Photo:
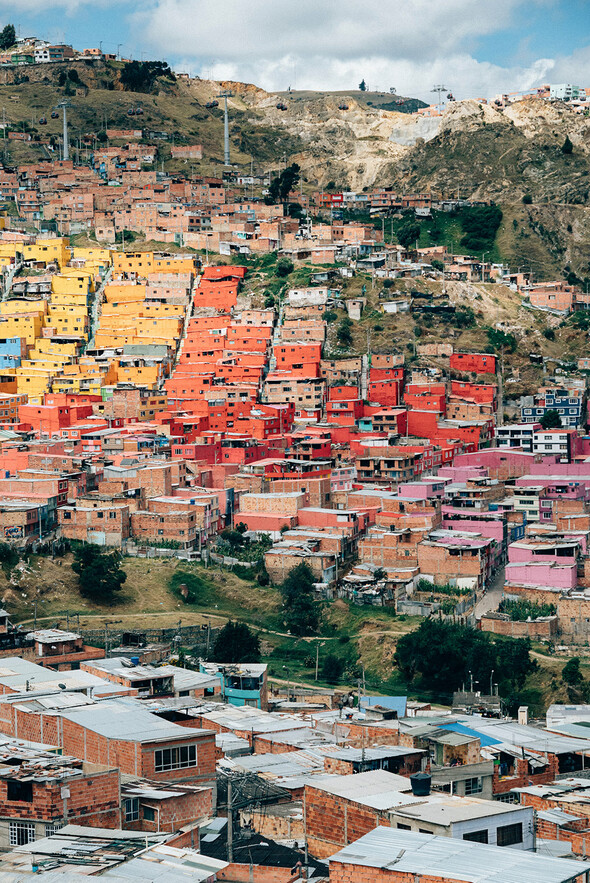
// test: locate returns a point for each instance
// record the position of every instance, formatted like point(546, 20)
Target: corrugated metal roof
point(485, 739)
point(445, 857)
point(124, 720)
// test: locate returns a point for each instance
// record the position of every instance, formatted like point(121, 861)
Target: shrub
point(332, 668)
point(284, 267)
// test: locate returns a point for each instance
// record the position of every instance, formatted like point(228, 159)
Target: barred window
point(508, 835)
point(21, 833)
point(176, 758)
point(52, 827)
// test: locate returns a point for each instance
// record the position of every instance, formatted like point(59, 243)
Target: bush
point(329, 316)
point(520, 611)
point(99, 573)
point(9, 558)
point(549, 334)
point(343, 335)
point(332, 669)
point(499, 339)
point(464, 317)
point(571, 673)
point(480, 224)
point(527, 199)
point(284, 267)
point(567, 146)
point(189, 587)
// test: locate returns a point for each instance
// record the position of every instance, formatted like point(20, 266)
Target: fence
point(194, 635)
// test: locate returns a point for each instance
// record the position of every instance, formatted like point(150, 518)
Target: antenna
point(225, 95)
point(66, 148)
point(439, 90)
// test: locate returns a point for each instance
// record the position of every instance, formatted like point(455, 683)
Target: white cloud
point(320, 44)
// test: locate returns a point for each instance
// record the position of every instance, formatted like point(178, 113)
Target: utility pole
point(317, 659)
point(230, 824)
point(225, 95)
point(66, 149)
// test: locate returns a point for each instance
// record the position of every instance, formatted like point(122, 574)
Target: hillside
point(364, 639)
point(348, 140)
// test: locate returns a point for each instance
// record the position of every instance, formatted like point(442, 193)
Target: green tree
point(99, 572)
point(500, 339)
point(549, 334)
point(329, 316)
point(343, 335)
point(480, 224)
point(379, 574)
point(301, 610)
point(9, 558)
point(550, 419)
point(284, 267)
point(527, 199)
point(408, 234)
point(444, 654)
point(571, 673)
point(567, 146)
point(236, 642)
point(141, 76)
point(437, 265)
point(464, 317)
point(231, 536)
point(281, 187)
point(363, 86)
point(332, 668)
point(7, 37)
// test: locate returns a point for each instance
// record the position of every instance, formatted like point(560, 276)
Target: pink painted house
point(559, 577)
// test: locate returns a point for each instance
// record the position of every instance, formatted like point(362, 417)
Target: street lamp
point(492, 683)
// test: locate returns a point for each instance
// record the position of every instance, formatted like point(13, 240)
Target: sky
point(475, 48)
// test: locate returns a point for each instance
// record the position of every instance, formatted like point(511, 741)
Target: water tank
point(420, 784)
point(135, 660)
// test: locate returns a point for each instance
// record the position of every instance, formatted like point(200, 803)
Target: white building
point(552, 441)
point(517, 435)
point(566, 92)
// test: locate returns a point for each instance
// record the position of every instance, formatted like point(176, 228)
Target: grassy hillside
point(363, 638)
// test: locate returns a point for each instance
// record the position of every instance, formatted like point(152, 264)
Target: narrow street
point(492, 597)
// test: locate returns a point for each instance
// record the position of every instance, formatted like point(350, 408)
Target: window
point(508, 835)
point(21, 833)
point(474, 786)
point(131, 809)
point(175, 758)
point(51, 828)
point(149, 814)
point(17, 790)
point(404, 827)
point(477, 836)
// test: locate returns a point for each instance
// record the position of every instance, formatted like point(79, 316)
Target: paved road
point(492, 597)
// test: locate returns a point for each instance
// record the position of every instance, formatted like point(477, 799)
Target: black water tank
point(420, 784)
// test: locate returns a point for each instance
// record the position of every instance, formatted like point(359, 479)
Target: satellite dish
point(62, 686)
